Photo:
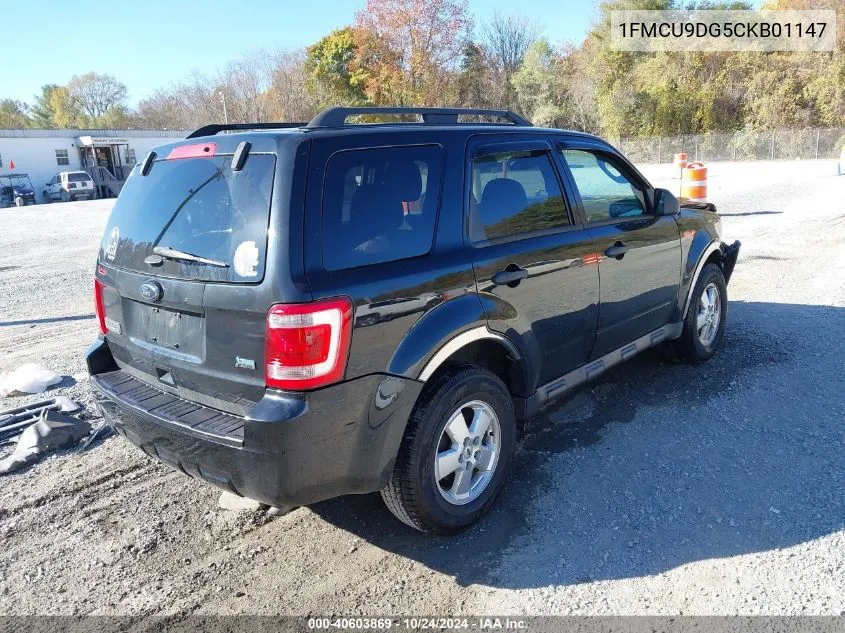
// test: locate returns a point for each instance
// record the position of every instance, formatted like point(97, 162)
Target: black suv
point(297, 312)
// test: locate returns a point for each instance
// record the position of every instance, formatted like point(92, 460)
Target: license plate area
point(172, 332)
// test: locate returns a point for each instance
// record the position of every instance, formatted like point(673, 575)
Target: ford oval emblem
point(151, 290)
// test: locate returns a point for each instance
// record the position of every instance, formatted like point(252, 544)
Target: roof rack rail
point(216, 128)
point(336, 116)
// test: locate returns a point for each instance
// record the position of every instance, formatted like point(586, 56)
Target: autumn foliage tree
point(13, 114)
point(413, 47)
point(333, 69)
point(426, 53)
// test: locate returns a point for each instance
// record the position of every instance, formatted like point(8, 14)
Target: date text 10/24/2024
point(418, 623)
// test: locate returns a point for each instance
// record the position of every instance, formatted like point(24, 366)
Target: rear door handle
point(510, 276)
point(618, 250)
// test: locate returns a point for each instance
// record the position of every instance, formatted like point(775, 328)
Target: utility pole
point(225, 113)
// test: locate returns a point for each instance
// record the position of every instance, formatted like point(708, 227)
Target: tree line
point(433, 53)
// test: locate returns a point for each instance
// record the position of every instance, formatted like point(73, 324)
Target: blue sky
point(153, 43)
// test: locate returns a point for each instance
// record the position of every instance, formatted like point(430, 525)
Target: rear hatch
point(79, 180)
point(182, 266)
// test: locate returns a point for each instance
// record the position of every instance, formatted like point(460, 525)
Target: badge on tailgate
point(244, 363)
point(151, 291)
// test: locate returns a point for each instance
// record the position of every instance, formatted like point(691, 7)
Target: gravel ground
point(659, 489)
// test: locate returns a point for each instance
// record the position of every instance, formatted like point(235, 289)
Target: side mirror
point(665, 202)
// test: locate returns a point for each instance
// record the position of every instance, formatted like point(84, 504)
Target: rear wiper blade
point(172, 253)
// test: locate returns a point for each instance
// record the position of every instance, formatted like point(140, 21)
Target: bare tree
point(580, 89)
point(264, 86)
point(96, 94)
point(507, 38)
point(242, 83)
point(184, 105)
point(287, 97)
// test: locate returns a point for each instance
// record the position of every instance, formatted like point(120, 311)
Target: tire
point(692, 346)
point(46, 196)
point(65, 196)
point(413, 494)
point(20, 202)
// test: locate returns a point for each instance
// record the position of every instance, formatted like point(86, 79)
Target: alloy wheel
point(709, 315)
point(467, 452)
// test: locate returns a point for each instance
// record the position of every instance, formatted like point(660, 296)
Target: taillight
point(98, 306)
point(307, 344)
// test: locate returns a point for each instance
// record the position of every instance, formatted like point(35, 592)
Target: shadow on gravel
point(739, 215)
point(51, 320)
point(723, 466)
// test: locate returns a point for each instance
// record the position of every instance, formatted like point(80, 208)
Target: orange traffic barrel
point(680, 160)
point(694, 182)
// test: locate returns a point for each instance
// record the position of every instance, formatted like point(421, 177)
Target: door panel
point(640, 252)
point(638, 291)
point(536, 271)
point(554, 309)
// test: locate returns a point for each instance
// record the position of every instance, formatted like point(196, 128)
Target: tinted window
point(78, 176)
point(513, 193)
point(198, 206)
point(380, 205)
point(605, 191)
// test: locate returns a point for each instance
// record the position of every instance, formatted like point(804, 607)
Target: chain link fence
point(743, 145)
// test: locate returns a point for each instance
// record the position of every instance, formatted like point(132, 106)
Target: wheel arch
point(711, 253)
point(492, 351)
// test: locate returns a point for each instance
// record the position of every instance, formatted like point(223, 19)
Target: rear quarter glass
point(380, 204)
point(198, 206)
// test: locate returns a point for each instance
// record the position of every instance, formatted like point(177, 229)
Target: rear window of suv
point(380, 205)
point(78, 176)
point(197, 206)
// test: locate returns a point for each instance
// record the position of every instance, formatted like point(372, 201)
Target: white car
point(70, 185)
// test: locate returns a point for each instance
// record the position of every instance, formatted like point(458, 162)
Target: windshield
point(17, 181)
point(78, 176)
point(198, 206)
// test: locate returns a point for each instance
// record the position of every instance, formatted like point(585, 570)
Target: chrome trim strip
point(707, 251)
point(453, 345)
point(557, 387)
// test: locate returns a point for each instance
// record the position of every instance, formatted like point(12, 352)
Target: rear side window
point(380, 205)
point(198, 206)
point(605, 191)
point(514, 193)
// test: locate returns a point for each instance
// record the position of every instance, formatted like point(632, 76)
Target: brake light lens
point(307, 344)
point(98, 306)
point(198, 150)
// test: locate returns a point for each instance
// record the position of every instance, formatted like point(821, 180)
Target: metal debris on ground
point(52, 431)
point(13, 421)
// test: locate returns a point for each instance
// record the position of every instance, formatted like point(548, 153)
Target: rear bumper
point(290, 449)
